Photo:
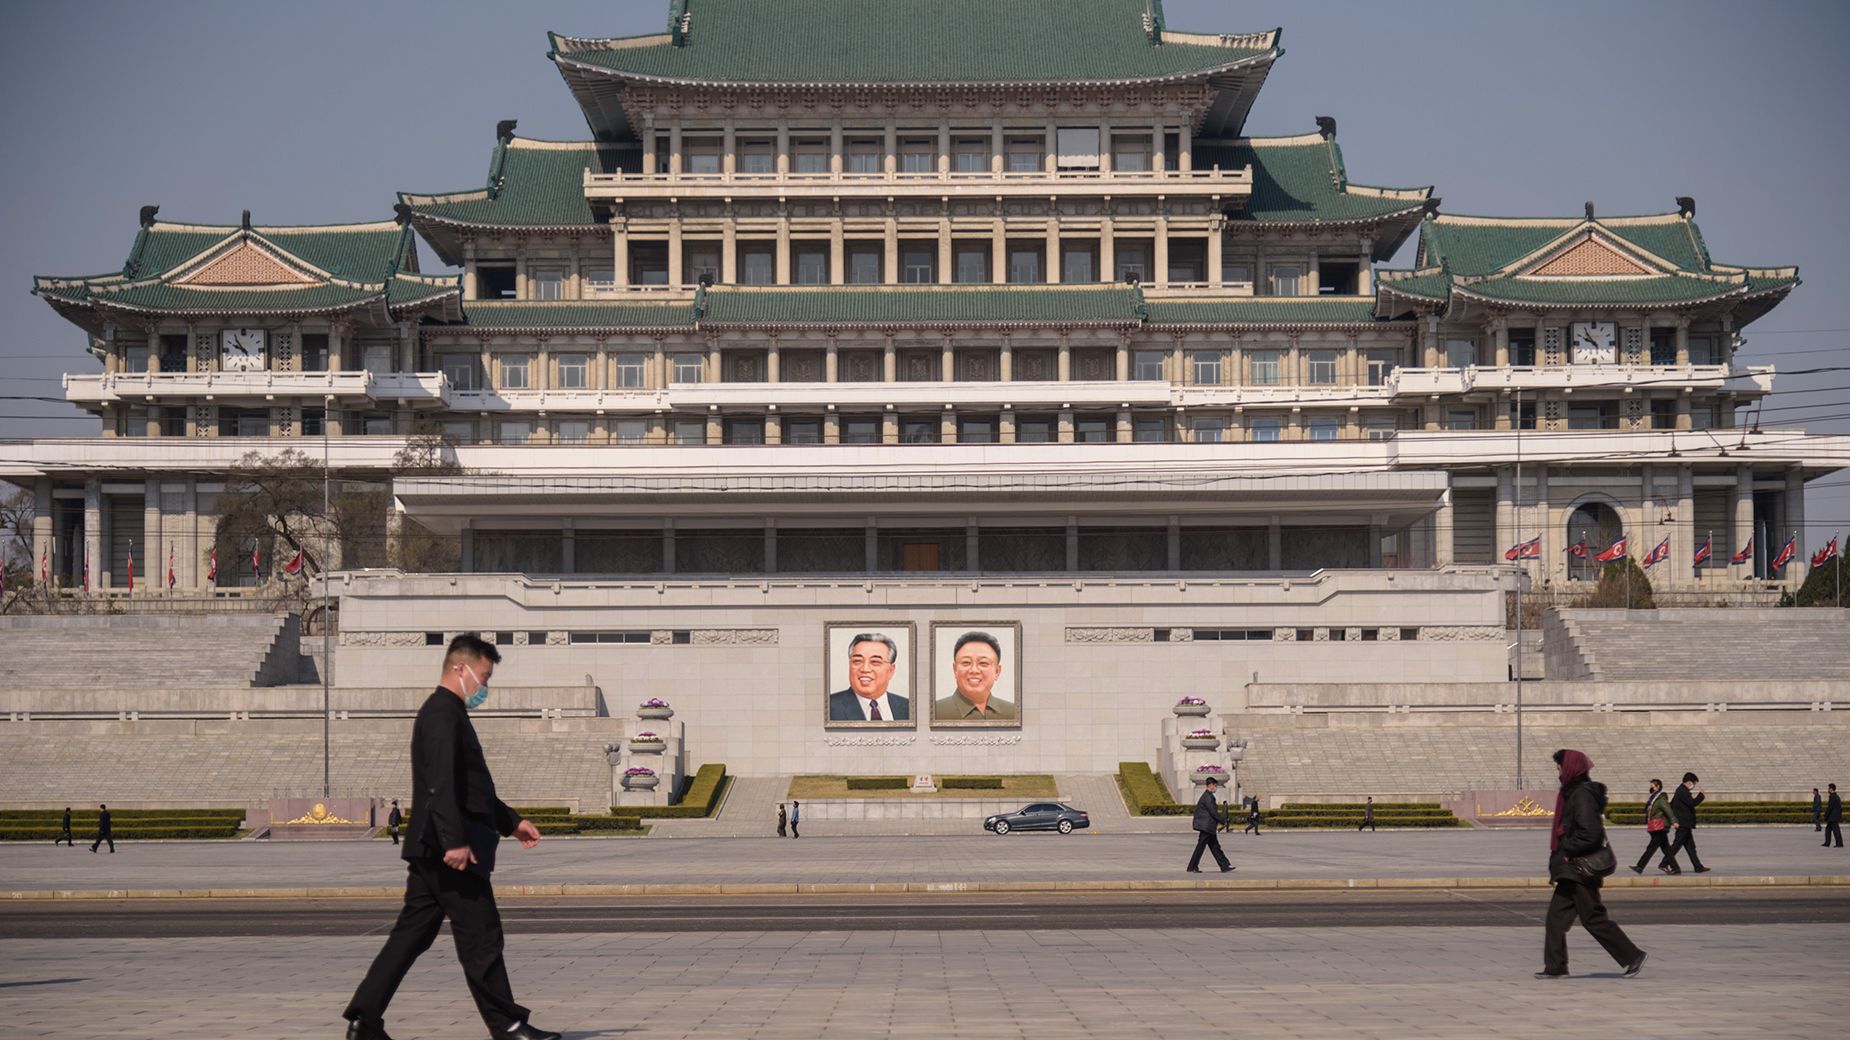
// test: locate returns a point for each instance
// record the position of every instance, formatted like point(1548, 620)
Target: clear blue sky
point(319, 112)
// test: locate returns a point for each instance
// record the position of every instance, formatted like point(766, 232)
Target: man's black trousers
point(1660, 842)
point(1833, 830)
point(433, 892)
point(1572, 900)
point(1686, 839)
point(1209, 841)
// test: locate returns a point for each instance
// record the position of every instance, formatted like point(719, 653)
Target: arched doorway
point(1597, 523)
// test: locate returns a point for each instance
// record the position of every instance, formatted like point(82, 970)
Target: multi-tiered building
point(962, 305)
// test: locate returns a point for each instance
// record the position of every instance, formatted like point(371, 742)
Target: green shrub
point(1431, 820)
point(1359, 806)
point(1824, 586)
point(971, 783)
point(116, 815)
point(697, 802)
point(1620, 580)
point(1145, 794)
point(876, 783)
point(16, 832)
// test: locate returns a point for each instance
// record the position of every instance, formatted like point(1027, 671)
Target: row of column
point(188, 539)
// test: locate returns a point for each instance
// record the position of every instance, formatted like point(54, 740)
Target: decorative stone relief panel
point(661, 637)
point(867, 740)
point(205, 420)
point(283, 346)
point(286, 422)
point(1181, 635)
point(1111, 635)
point(733, 636)
point(559, 638)
point(975, 740)
point(349, 637)
point(1460, 633)
point(1634, 413)
point(1551, 345)
point(1634, 345)
point(205, 351)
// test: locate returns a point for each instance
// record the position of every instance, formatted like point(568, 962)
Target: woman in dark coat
point(1579, 831)
point(783, 820)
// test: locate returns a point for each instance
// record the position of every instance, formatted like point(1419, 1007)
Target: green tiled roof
point(911, 41)
point(921, 305)
point(1471, 246)
point(530, 184)
point(1304, 310)
point(1434, 284)
point(412, 288)
point(361, 252)
point(578, 314)
point(1595, 292)
point(175, 299)
point(1302, 180)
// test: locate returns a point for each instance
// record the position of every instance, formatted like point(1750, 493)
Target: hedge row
point(1624, 819)
point(118, 815)
point(1708, 806)
point(43, 833)
point(1145, 794)
point(79, 823)
point(696, 803)
point(1430, 820)
point(877, 783)
point(971, 783)
point(1380, 807)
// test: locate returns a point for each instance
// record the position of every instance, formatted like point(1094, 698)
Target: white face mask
point(475, 699)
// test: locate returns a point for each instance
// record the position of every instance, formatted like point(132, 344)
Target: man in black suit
point(1833, 817)
point(450, 854)
point(1683, 807)
point(1208, 816)
point(65, 837)
point(393, 821)
point(1817, 810)
point(872, 660)
point(105, 831)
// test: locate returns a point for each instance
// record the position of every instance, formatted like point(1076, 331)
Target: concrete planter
point(648, 747)
point(1201, 743)
point(641, 783)
point(1201, 778)
point(1186, 710)
point(655, 713)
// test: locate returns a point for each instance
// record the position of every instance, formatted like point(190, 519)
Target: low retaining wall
point(910, 809)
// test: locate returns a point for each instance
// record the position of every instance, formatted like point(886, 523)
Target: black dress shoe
point(1632, 969)
point(359, 1029)
point(1637, 870)
point(529, 1031)
point(1194, 870)
point(1704, 870)
point(1225, 869)
point(1551, 974)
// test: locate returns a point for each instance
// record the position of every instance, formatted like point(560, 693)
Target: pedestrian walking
point(65, 836)
point(450, 857)
point(1252, 816)
point(1833, 818)
point(1208, 815)
point(1817, 811)
point(393, 821)
point(105, 831)
point(796, 815)
point(1683, 809)
point(1368, 816)
point(783, 820)
point(1579, 859)
point(1656, 825)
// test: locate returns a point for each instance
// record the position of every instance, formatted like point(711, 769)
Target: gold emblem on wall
point(1525, 808)
point(320, 814)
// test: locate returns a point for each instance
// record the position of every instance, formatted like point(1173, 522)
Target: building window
point(1460, 353)
point(1035, 430)
point(514, 372)
point(549, 285)
point(376, 425)
point(757, 266)
point(1132, 263)
point(1265, 368)
point(812, 265)
point(314, 422)
point(1024, 266)
point(1150, 430)
point(314, 352)
point(243, 422)
point(1322, 368)
point(462, 432)
point(918, 267)
point(970, 264)
point(600, 279)
point(461, 371)
point(864, 266)
point(919, 429)
point(687, 367)
point(757, 157)
point(1078, 266)
point(859, 429)
point(1591, 417)
point(809, 156)
point(1236, 274)
point(630, 368)
point(173, 422)
point(1522, 348)
point(1381, 365)
point(1523, 414)
point(701, 262)
point(1024, 155)
point(744, 431)
point(572, 371)
point(1461, 419)
point(630, 431)
point(1324, 427)
point(514, 432)
point(1267, 431)
point(1092, 429)
point(702, 159)
point(1131, 154)
point(690, 431)
point(495, 281)
point(1287, 279)
point(1379, 427)
point(802, 431)
point(1147, 365)
point(918, 155)
point(976, 430)
point(970, 155)
point(573, 431)
point(1663, 414)
point(1210, 430)
point(1663, 346)
point(1207, 366)
point(865, 157)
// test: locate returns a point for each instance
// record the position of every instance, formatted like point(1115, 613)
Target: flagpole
point(327, 619)
point(1521, 573)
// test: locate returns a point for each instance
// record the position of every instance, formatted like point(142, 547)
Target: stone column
point(674, 151)
point(729, 149)
point(676, 267)
point(1442, 532)
point(1053, 251)
point(729, 252)
point(43, 536)
point(783, 249)
point(947, 362)
point(772, 365)
point(1795, 523)
point(783, 150)
point(944, 251)
point(889, 267)
point(568, 546)
point(831, 362)
point(1500, 340)
point(1505, 534)
point(837, 243)
point(1682, 333)
point(668, 545)
point(620, 251)
point(1107, 250)
point(947, 427)
point(889, 426)
point(467, 538)
point(835, 150)
point(971, 563)
point(1160, 276)
point(871, 545)
point(1066, 426)
point(998, 251)
point(1185, 147)
point(1274, 545)
point(1216, 246)
point(1683, 534)
point(1742, 513)
point(1065, 365)
point(1005, 427)
point(1122, 370)
point(93, 534)
point(1159, 161)
point(1072, 544)
point(1175, 543)
point(995, 148)
point(151, 534)
point(770, 545)
point(1124, 426)
point(889, 362)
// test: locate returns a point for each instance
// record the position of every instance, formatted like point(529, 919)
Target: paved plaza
point(1733, 852)
point(1722, 981)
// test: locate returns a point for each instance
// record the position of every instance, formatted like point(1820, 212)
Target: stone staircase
point(1745, 644)
point(176, 651)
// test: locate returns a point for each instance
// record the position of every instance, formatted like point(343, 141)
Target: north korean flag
point(1824, 555)
point(1614, 552)
point(1529, 550)
point(1578, 549)
point(1707, 550)
point(1786, 554)
point(1658, 554)
point(1746, 555)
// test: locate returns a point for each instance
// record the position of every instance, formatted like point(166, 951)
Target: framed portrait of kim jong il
point(868, 673)
point(976, 674)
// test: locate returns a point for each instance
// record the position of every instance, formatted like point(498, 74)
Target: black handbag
point(1596, 864)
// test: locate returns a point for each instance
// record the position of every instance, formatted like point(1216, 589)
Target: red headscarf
point(1574, 766)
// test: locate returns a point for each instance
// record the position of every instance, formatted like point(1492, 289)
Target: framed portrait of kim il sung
point(868, 673)
point(976, 674)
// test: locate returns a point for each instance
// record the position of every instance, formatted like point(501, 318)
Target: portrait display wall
point(869, 669)
point(976, 674)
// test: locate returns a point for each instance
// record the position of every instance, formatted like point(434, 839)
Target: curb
point(793, 888)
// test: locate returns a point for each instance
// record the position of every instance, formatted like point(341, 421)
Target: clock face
point(241, 350)
point(1595, 343)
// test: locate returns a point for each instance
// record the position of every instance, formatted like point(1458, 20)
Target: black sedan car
point(1040, 816)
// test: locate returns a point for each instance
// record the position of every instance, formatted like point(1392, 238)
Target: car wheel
point(1002, 826)
point(1066, 826)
